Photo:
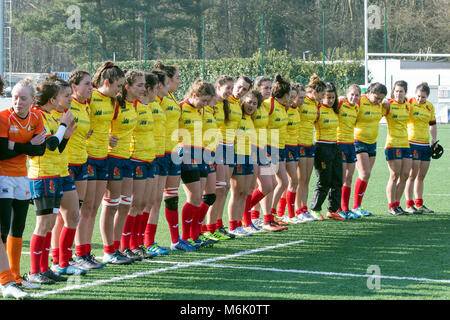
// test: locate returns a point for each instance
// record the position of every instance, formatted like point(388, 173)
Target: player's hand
point(71, 127)
point(113, 141)
point(38, 139)
point(67, 118)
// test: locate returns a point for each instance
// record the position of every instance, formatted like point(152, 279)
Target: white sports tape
point(170, 192)
point(126, 200)
point(107, 202)
point(55, 210)
point(220, 184)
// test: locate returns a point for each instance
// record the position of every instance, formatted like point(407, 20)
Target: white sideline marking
point(177, 266)
point(322, 273)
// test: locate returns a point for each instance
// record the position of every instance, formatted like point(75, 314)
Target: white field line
point(322, 273)
point(144, 273)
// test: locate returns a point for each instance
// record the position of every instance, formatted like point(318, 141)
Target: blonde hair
point(26, 83)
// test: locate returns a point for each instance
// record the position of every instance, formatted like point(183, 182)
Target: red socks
point(172, 220)
point(188, 214)
point(36, 248)
point(345, 198)
point(150, 232)
point(290, 199)
point(127, 231)
point(419, 203)
point(65, 246)
point(409, 203)
point(281, 206)
point(247, 218)
point(360, 188)
point(257, 196)
point(43, 264)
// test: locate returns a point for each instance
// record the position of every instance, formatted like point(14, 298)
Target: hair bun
point(314, 79)
point(159, 65)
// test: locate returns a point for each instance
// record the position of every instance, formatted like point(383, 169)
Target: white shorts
point(15, 188)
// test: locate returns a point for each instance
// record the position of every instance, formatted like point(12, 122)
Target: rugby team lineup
point(121, 144)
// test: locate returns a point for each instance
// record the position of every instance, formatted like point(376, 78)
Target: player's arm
point(433, 132)
point(61, 137)
point(5, 152)
point(35, 147)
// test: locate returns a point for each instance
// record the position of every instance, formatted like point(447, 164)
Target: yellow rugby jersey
point(368, 121)
point(261, 121)
point(191, 123)
point(228, 128)
point(292, 128)
point(397, 120)
point(326, 125)
point(159, 128)
point(276, 128)
point(308, 115)
point(46, 165)
point(122, 127)
point(142, 142)
point(172, 110)
point(210, 137)
point(101, 113)
point(421, 117)
point(63, 162)
point(245, 136)
point(76, 147)
point(347, 120)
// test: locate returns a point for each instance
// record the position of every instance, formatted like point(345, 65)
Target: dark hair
point(257, 95)
point(377, 88)
point(130, 79)
point(169, 70)
point(280, 86)
point(315, 84)
point(200, 88)
point(151, 80)
point(330, 88)
point(76, 76)
point(161, 75)
point(107, 71)
point(45, 91)
point(221, 80)
point(246, 79)
point(424, 88)
point(297, 87)
point(62, 84)
point(400, 83)
point(259, 81)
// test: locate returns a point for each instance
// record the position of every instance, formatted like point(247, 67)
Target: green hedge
point(298, 70)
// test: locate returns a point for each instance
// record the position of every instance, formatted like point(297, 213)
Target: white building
point(436, 74)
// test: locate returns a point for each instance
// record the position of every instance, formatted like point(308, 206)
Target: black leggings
point(328, 167)
point(13, 216)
